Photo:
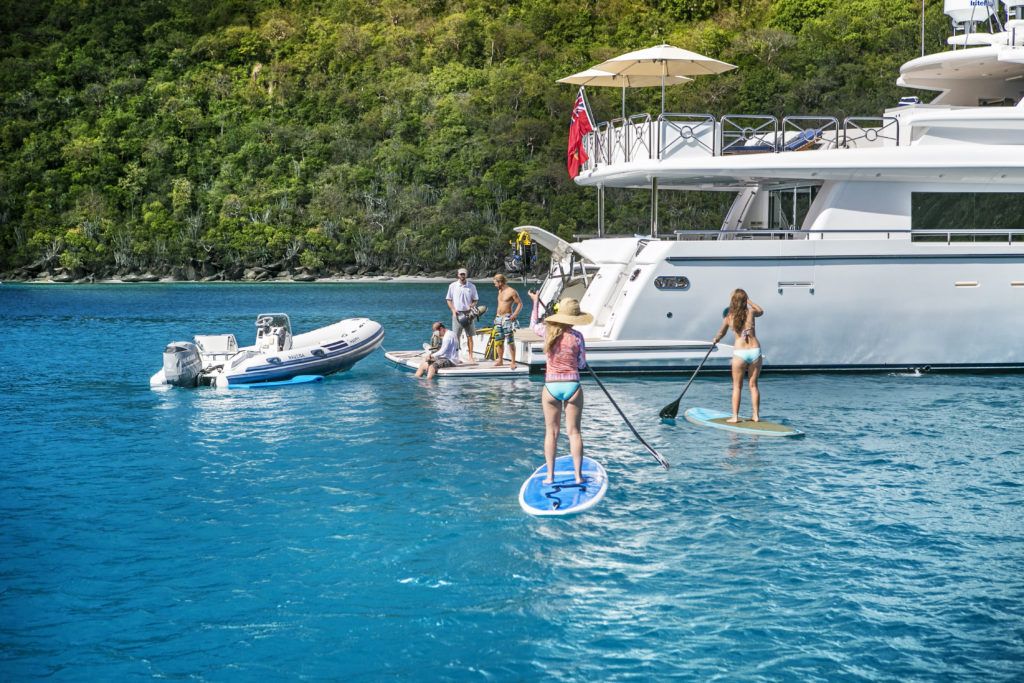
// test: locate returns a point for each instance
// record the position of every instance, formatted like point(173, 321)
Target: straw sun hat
point(569, 313)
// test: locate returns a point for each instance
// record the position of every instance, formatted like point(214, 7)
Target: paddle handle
point(672, 408)
point(694, 375)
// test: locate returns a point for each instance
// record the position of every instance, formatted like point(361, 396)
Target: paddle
point(657, 456)
point(670, 411)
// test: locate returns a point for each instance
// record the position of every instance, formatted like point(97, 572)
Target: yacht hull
point(830, 304)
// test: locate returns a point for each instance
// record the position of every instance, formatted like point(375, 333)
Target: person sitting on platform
point(445, 357)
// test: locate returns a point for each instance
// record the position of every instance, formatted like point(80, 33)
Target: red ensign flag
point(579, 126)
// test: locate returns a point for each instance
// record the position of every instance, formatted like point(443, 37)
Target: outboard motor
point(182, 364)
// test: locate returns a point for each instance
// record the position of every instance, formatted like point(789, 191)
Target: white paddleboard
point(707, 417)
point(564, 496)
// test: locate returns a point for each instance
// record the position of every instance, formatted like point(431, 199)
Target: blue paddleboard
point(297, 379)
point(564, 496)
point(717, 419)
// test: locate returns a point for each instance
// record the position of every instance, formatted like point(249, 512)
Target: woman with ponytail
point(746, 355)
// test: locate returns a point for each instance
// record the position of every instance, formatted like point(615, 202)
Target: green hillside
point(205, 136)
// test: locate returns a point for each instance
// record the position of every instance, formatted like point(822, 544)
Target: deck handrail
point(691, 130)
point(618, 146)
point(640, 138)
point(889, 233)
point(748, 134)
point(853, 131)
point(802, 234)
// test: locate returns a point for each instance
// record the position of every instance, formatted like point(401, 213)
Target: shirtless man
point(505, 324)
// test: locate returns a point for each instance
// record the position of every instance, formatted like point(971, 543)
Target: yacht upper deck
point(981, 104)
point(911, 143)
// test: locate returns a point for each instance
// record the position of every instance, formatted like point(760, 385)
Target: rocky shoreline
point(40, 274)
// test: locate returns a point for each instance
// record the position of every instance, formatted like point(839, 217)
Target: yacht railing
point(595, 144)
point(681, 133)
point(858, 131)
point(938, 236)
point(640, 142)
point(805, 132)
point(617, 144)
point(621, 140)
point(918, 235)
point(748, 134)
point(674, 135)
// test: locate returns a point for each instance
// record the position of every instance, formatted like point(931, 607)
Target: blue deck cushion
point(805, 140)
point(742, 146)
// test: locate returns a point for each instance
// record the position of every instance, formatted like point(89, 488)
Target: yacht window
point(967, 211)
point(674, 282)
point(788, 207)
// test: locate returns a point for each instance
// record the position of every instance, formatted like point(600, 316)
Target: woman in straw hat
point(566, 356)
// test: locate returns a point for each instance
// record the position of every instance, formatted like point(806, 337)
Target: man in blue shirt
point(461, 297)
point(445, 357)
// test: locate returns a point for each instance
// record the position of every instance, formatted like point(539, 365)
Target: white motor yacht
point(871, 243)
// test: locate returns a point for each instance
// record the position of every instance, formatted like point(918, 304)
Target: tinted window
point(966, 211)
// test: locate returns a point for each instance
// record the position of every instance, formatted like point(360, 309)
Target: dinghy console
point(273, 332)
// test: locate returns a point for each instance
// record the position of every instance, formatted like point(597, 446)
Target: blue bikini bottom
point(748, 355)
point(562, 391)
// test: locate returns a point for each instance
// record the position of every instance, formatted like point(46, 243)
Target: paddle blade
point(657, 456)
point(670, 411)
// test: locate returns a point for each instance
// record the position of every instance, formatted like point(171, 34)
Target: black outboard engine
point(182, 364)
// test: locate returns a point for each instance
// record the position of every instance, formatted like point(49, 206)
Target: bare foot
point(497, 365)
point(548, 482)
point(755, 419)
point(512, 366)
point(579, 479)
point(732, 420)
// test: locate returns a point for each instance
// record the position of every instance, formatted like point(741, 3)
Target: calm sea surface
point(368, 527)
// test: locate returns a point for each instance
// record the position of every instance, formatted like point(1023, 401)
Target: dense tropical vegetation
point(207, 136)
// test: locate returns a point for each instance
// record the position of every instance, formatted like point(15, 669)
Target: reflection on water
point(740, 449)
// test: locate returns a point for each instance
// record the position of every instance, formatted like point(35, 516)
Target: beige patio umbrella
point(663, 61)
point(603, 79)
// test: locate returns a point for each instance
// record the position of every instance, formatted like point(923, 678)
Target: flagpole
point(586, 103)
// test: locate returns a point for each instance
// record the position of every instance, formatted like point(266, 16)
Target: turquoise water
point(368, 527)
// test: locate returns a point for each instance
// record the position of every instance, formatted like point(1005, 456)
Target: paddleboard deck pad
point(298, 379)
point(717, 419)
point(564, 496)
